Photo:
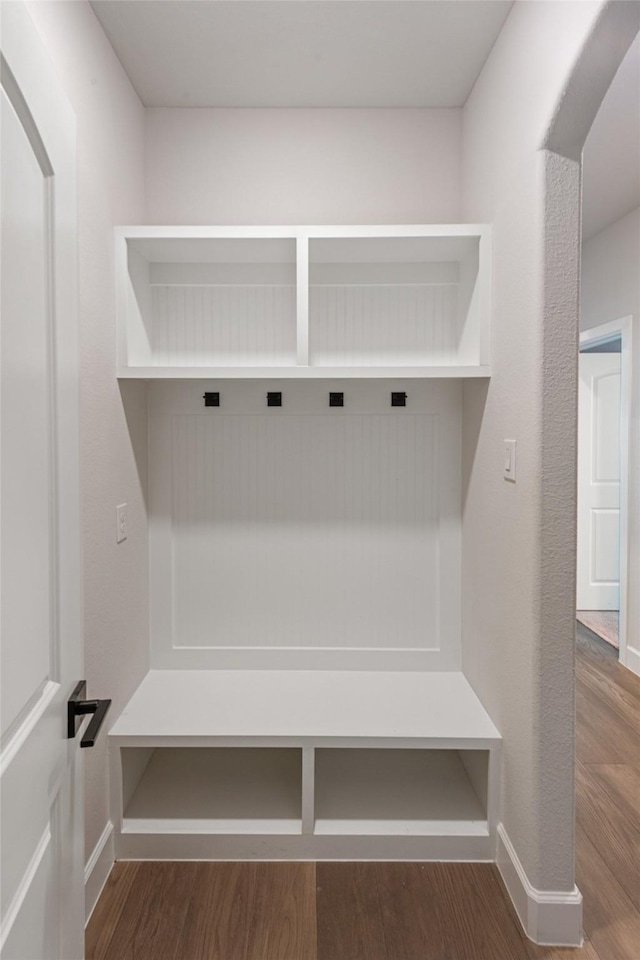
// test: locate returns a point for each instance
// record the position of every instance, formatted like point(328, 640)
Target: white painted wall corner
point(97, 870)
point(548, 917)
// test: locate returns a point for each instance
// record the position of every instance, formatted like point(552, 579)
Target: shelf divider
point(308, 790)
point(302, 281)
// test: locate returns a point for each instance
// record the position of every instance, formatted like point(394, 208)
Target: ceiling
point(302, 53)
point(611, 172)
point(353, 53)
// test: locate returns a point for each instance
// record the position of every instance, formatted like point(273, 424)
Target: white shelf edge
point(401, 828)
point(128, 740)
point(180, 825)
point(322, 232)
point(304, 373)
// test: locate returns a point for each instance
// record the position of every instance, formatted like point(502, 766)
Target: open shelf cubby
point(303, 302)
point(207, 302)
point(395, 301)
point(212, 790)
point(400, 792)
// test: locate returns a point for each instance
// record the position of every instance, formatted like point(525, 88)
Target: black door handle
point(78, 707)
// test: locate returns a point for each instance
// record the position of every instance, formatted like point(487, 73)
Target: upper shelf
point(303, 302)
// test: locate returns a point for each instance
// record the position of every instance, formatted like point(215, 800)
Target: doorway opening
point(604, 402)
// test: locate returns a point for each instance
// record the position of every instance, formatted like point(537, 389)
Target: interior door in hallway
point(598, 562)
point(40, 769)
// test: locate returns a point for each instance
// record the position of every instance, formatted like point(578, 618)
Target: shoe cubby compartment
point(388, 792)
point(216, 302)
point(212, 790)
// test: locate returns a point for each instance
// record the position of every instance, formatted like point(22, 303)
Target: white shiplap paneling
point(220, 325)
point(302, 533)
point(384, 324)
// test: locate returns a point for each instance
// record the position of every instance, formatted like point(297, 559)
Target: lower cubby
point(372, 792)
point(212, 790)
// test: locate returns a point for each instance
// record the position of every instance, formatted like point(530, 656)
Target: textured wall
point(303, 166)
point(611, 290)
point(110, 132)
point(542, 84)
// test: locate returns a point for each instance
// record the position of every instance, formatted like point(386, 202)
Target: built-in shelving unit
point(306, 699)
point(299, 764)
point(303, 302)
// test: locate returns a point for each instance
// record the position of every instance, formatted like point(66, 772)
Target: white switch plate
point(510, 460)
point(121, 523)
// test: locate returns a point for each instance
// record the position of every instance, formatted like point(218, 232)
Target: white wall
point(110, 128)
point(303, 166)
point(518, 540)
point(611, 158)
point(610, 286)
point(611, 290)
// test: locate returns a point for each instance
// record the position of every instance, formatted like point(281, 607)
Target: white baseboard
point(97, 870)
point(632, 660)
point(548, 917)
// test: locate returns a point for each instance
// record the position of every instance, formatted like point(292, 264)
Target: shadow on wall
point(134, 404)
point(475, 393)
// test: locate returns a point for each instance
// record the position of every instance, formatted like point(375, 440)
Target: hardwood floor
point(605, 623)
point(403, 911)
point(608, 799)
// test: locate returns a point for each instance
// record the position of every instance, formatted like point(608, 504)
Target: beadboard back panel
point(223, 325)
point(305, 536)
point(384, 324)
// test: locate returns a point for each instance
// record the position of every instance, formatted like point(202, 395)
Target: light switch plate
point(510, 460)
point(121, 523)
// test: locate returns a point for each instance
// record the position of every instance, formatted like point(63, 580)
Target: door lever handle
point(78, 707)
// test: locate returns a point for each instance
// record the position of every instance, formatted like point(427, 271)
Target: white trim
point(628, 657)
point(632, 660)
point(24, 886)
point(192, 232)
point(97, 870)
point(548, 917)
point(265, 847)
point(295, 372)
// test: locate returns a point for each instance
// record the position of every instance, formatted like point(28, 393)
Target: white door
point(598, 562)
point(40, 581)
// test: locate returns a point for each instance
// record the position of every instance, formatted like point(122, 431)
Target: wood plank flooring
point(403, 911)
point(606, 623)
